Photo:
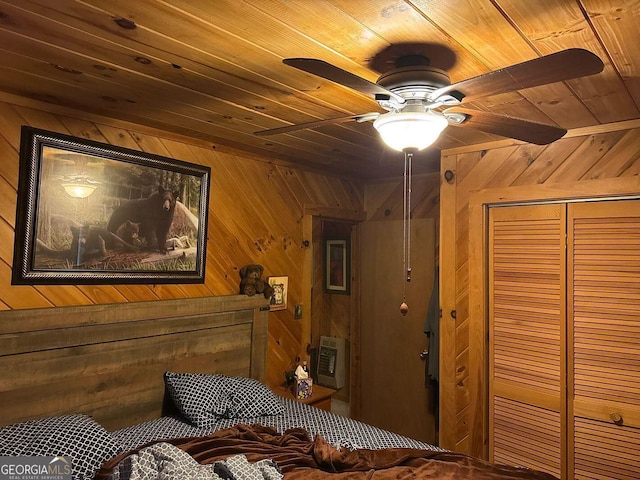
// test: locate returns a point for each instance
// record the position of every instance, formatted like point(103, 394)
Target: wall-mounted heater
point(332, 361)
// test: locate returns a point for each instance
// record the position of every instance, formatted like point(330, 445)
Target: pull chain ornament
point(406, 233)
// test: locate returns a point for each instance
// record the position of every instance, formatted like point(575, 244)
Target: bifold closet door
point(604, 331)
point(527, 287)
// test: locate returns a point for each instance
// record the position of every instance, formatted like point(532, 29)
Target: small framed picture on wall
point(280, 287)
point(337, 266)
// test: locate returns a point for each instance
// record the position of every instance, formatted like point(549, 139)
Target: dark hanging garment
point(432, 330)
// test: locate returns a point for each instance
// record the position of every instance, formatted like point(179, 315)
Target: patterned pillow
point(203, 399)
point(78, 437)
point(249, 398)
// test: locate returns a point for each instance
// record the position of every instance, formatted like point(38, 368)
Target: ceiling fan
point(421, 100)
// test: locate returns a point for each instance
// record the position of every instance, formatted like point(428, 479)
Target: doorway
point(393, 394)
point(334, 310)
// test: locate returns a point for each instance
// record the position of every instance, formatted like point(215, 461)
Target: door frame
point(312, 214)
point(479, 204)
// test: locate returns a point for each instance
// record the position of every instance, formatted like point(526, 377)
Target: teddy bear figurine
point(252, 283)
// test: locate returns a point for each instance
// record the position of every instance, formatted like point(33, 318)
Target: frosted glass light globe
point(401, 130)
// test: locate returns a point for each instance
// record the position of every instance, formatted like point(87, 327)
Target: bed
point(175, 389)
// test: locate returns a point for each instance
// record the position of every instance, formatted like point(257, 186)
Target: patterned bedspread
point(335, 429)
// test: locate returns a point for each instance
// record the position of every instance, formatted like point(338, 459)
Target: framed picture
point(280, 291)
point(91, 213)
point(337, 266)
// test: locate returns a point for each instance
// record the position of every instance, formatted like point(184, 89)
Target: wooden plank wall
point(255, 216)
point(605, 152)
point(339, 315)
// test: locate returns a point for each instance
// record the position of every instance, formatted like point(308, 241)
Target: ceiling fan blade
point(556, 67)
point(317, 123)
point(342, 77)
point(525, 130)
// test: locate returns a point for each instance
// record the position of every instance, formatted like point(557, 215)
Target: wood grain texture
point(214, 71)
point(107, 361)
point(604, 332)
point(527, 354)
point(603, 446)
point(391, 368)
point(528, 436)
point(504, 173)
point(254, 217)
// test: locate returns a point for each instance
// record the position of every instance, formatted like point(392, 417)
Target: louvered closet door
point(526, 336)
point(604, 329)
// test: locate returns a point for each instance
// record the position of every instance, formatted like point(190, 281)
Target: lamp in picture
point(76, 182)
point(79, 187)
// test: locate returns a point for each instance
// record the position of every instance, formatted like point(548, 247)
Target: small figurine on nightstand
point(304, 383)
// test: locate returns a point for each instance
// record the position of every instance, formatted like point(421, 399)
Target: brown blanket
point(299, 457)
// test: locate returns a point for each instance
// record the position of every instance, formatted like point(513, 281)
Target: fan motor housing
point(414, 81)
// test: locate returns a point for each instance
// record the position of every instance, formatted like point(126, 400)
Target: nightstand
point(320, 398)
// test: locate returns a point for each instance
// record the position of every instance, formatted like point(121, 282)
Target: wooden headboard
point(107, 361)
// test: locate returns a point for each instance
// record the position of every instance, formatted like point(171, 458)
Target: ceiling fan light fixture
point(413, 130)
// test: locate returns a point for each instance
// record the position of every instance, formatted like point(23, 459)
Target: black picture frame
point(337, 266)
point(94, 213)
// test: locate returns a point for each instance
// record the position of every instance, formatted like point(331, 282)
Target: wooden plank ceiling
point(213, 69)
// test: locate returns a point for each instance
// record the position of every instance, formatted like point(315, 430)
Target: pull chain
point(406, 229)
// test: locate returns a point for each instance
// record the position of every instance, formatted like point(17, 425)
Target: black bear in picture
point(129, 232)
point(90, 241)
point(154, 214)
